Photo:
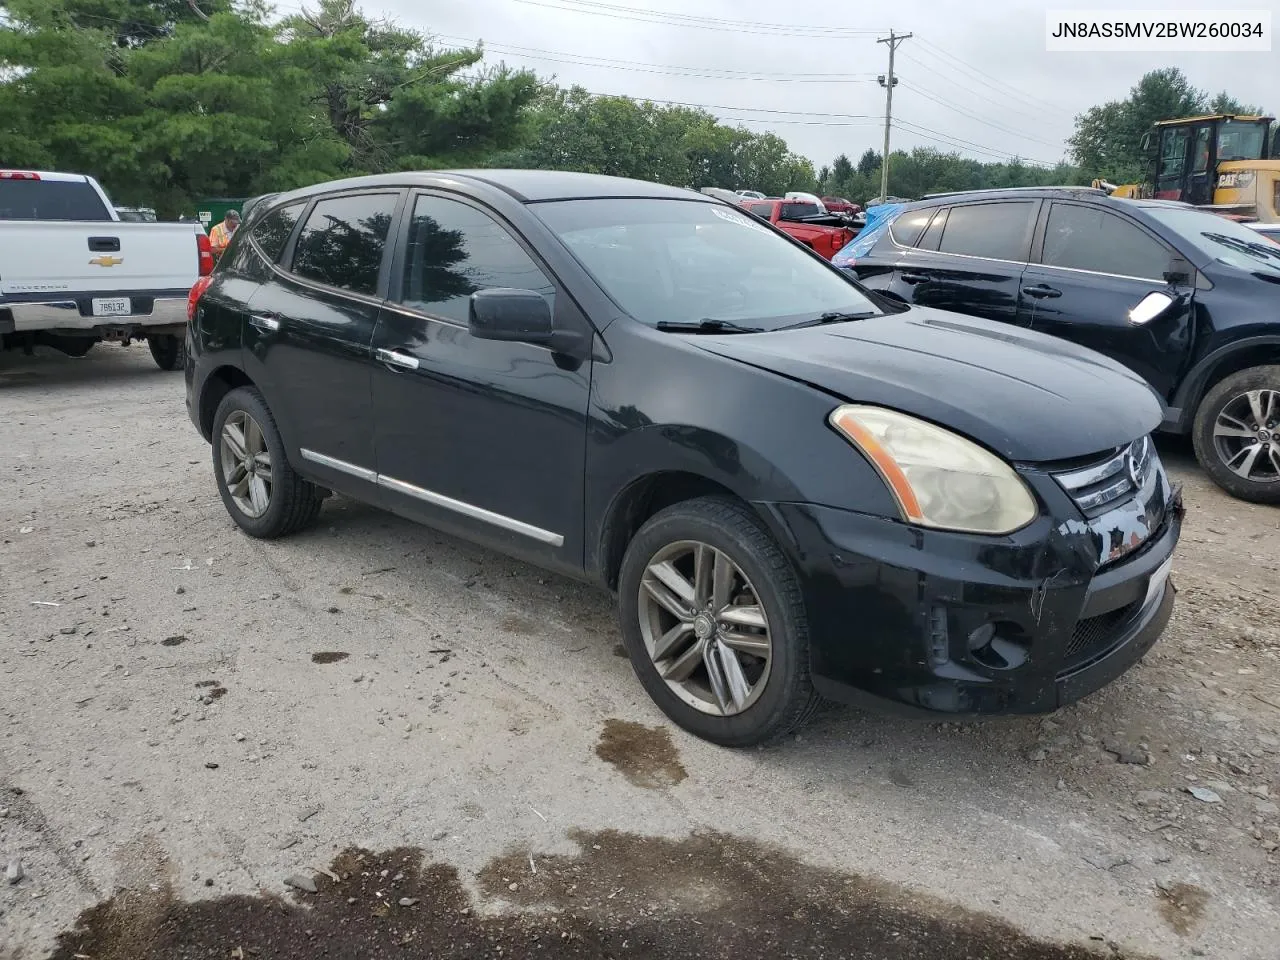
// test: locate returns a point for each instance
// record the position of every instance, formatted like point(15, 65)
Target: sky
point(975, 76)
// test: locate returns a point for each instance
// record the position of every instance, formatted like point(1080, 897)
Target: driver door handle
point(395, 358)
point(1042, 291)
point(914, 278)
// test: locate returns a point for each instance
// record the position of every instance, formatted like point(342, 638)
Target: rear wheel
point(168, 351)
point(1237, 434)
point(259, 488)
point(713, 619)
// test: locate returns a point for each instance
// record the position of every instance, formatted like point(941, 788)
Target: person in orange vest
point(220, 235)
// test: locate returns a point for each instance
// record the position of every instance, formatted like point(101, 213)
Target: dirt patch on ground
point(1182, 905)
point(329, 656)
point(644, 755)
point(623, 895)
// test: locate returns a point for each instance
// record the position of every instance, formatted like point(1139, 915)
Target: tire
point(1227, 404)
point(168, 351)
point(781, 697)
point(291, 503)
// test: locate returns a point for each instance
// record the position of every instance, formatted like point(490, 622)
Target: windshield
point(684, 262)
point(50, 200)
point(1221, 239)
point(1241, 140)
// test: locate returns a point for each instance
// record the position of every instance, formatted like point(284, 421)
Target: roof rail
point(959, 193)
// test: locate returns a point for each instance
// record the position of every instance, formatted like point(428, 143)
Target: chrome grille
point(1119, 475)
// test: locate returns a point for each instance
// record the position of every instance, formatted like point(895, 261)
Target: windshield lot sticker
point(741, 219)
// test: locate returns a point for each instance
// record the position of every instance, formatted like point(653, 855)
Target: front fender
point(761, 436)
point(1195, 384)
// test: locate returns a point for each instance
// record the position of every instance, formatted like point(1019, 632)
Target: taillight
point(193, 298)
point(206, 255)
point(18, 175)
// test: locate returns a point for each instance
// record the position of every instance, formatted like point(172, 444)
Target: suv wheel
point(1237, 434)
point(168, 351)
point(261, 491)
point(713, 619)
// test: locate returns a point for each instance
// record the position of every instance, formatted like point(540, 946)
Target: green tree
point(1108, 138)
point(166, 101)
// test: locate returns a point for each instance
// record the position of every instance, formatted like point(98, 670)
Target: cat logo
point(106, 260)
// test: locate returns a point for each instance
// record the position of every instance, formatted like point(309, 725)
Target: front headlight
point(938, 478)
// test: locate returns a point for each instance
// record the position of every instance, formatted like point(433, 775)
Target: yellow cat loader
point(1229, 164)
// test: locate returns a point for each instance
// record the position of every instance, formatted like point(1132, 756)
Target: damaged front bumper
point(916, 619)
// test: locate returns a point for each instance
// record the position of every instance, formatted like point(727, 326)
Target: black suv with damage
point(796, 488)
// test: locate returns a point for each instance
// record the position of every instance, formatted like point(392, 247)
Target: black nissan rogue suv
point(796, 488)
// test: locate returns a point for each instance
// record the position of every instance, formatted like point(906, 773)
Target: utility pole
point(892, 40)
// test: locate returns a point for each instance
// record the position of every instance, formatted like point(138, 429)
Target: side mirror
point(1150, 307)
point(504, 313)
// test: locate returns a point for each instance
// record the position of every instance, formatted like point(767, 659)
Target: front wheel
point(713, 619)
point(168, 351)
point(1237, 434)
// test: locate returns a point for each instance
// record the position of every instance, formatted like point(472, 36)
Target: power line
point(712, 73)
point(987, 95)
point(720, 106)
point(988, 80)
point(836, 120)
point(939, 137)
point(726, 21)
point(942, 101)
point(666, 18)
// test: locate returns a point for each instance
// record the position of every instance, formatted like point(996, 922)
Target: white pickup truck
point(73, 274)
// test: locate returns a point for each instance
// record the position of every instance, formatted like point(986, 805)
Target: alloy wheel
point(1246, 435)
point(704, 628)
point(246, 464)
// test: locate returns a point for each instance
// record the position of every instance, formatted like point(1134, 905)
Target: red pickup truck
point(805, 222)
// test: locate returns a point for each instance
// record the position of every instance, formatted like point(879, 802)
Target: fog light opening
point(999, 646)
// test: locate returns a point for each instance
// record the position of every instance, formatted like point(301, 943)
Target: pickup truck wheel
point(1237, 434)
point(168, 351)
point(713, 619)
point(262, 492)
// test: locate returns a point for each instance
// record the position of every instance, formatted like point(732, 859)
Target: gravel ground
point(442, 753)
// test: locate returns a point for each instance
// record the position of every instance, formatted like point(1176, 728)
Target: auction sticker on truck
point(112, 307)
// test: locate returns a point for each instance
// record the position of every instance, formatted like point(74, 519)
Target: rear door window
point(993, 231)
point(1093, 239)
point(343, 241)
point(764, 210)
point(273, 231)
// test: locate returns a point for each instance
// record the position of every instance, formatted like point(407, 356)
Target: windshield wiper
point(705, 325)
point(1254, 249)
point(831, 316)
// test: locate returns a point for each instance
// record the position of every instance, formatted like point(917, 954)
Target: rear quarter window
point(272, 232)
point(909, 227)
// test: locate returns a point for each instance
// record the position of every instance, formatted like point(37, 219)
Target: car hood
point(1027, 396)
